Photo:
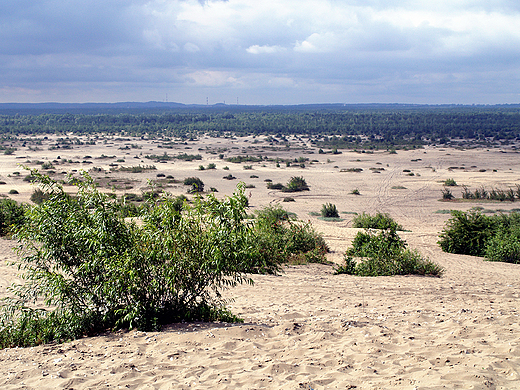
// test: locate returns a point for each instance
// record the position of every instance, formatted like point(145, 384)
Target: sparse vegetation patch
point(383, 254)
point(495, 237)
point(377, 221)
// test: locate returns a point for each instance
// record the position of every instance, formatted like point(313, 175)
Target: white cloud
point(211, 78)
point(265, 49)
point(317, 43)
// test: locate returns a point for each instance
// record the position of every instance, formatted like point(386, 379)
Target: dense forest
point(372, 126)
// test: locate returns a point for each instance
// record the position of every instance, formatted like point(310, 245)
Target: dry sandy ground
point(306, 328)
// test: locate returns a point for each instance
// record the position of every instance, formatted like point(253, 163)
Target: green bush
point(279, 239)
point(385, 254)
point(467, 233)
point(94, 271)
point(495, 237)
point(504, 246)
point(329, 210)
point(275, 186)
point(29, 178)
point(450, 182)
point(296, 184)
point(12, 216)
point(196, 184)
point(378, 221)
point(47, 165)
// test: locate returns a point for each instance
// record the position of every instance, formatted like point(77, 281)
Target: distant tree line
point(382, 128)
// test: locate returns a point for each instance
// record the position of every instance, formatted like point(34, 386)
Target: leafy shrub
point(296, 184)
point(355, 191)
point(450, 183)
point(13, 192)
point(466, 233)
point(47, 165)
point(196, 184)
point(229, 177)
point(96, 271)
point(495, 237)
point(241, 159)
point(278, 240)
point(385, 254)
point(504, 246)
point(12, 216)
point(329, 210)
point(378, 221)
point(136, 169)
point(29, 178)
point(275, 186)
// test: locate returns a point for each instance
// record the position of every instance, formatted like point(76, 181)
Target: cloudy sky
point(260, 52)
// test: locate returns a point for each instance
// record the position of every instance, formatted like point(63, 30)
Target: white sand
point(308, 328)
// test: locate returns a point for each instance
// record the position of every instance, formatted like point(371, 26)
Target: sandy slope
point(308, 328)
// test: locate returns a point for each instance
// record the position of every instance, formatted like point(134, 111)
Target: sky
point(260, 52)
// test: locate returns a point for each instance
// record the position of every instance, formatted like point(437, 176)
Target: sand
point(307, 328)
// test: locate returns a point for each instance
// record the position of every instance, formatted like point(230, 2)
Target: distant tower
point(166, 98)
point(207, 101)
point(237, 100)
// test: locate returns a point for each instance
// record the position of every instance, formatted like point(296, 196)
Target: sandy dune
point(306, 328)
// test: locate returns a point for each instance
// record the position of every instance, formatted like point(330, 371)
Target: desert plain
point(305, 328)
